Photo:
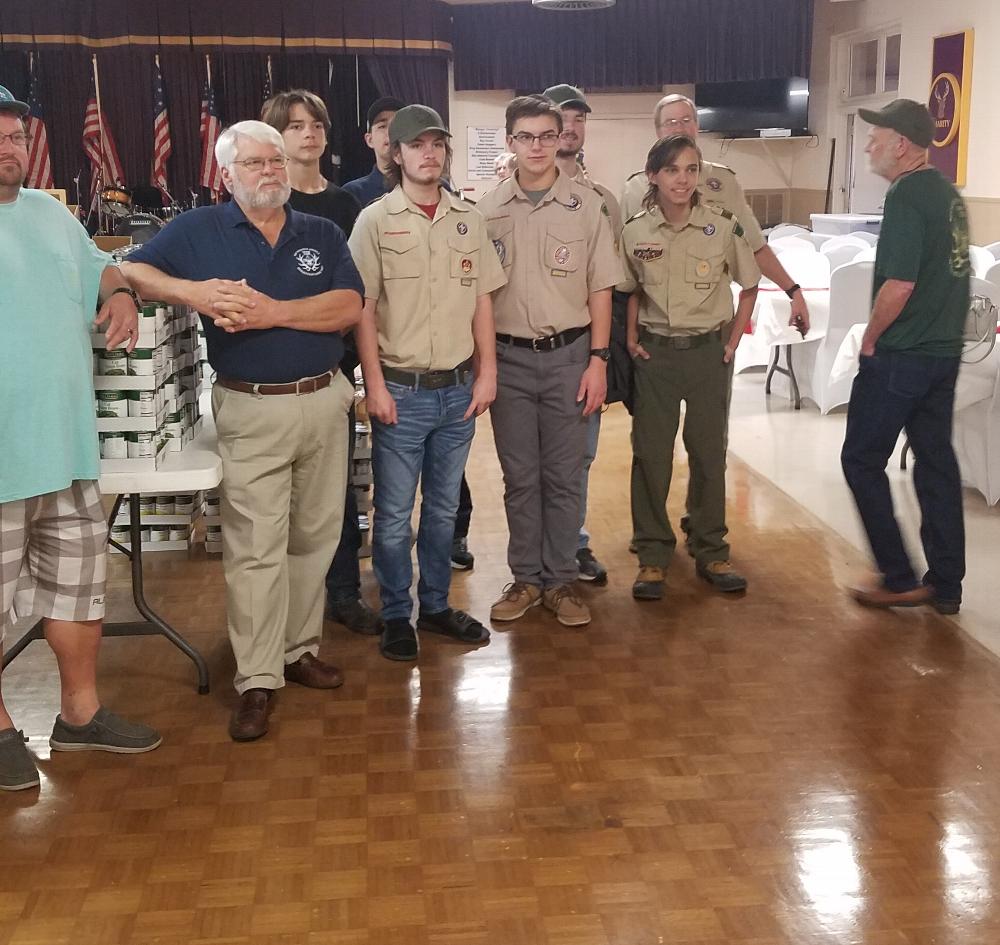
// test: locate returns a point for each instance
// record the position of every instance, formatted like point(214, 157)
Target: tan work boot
point(569, 609)
point(648, 584)
point(518, 598)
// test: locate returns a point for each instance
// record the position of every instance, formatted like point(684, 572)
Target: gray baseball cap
point(10, 104)
point(906, 117)
point(412, 121)
point(567, 96)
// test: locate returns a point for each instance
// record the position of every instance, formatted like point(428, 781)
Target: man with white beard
point(275, 289)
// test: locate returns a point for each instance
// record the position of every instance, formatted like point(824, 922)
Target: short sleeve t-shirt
point(48, 297)
point(334, 204)
point(925, 240)
point(310, 257)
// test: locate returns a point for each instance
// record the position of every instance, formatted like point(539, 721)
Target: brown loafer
point(309, 671)
point(249, 721)
point(882, 597)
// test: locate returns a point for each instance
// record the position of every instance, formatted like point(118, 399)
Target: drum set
point(140, 213)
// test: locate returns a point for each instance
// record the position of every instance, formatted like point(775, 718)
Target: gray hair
point(228, 144)
point(672, 99)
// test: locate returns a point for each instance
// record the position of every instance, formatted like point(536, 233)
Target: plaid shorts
point(53, 556)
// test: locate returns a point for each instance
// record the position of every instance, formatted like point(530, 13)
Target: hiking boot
point(518, 598)
point(722, 576)
point(569, 609)
point(648, 584)
point(590, 569)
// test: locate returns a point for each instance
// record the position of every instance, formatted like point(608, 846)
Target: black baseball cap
point(387, 103)
point(10, 104)
point(567, 96)
point(905, 117)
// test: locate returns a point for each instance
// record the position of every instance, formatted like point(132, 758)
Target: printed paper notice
point(484, 145)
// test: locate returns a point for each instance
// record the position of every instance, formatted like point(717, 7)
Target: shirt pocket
point(400, 257)
point(565, 251)
point(704, 271)
point(503, 242)
point(650, 259)
point(69, 277)
point(465, 260)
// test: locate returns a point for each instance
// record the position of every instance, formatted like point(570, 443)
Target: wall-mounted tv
point(741, 109)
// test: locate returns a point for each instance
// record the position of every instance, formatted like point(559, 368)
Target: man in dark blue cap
point(369, 188)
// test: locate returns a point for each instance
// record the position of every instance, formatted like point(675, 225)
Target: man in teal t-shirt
point(909, 364)
point(52, 530)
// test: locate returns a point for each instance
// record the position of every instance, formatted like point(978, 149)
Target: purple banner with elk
point(949, 104)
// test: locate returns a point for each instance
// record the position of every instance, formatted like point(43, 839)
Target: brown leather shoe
point(882, 597)
point(309, 671)
point(249, 720)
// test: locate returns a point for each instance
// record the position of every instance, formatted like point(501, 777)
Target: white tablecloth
point(774, 309)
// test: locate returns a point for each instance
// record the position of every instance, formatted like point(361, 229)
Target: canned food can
point(112, 363)
point(113, 446)
point(141, 403)
point(141, 445)
point(159, 533)
point(164, 505)
point(144, 534)
point(112, 403)
point(140, 362)
point(179, 532)
point(183, 505)
point(147, 505)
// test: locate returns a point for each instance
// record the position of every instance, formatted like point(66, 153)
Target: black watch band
point(131, 293)
point(792, 289)
point(603, 353)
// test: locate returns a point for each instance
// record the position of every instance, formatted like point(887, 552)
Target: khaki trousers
point(284, 468)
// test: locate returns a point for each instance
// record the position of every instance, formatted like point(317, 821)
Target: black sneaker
point(17, 767)
point(461, 558)
point(590, 569)
point(947, 607)
point(399, 641)
point(356, 615)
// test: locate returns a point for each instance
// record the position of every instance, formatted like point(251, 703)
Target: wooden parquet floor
point(781, 769)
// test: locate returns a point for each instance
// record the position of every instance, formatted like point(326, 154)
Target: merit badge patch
point(501, 250)
point(713, 183)
point(309, 261)
point(462, 229)
point(709, 230)
point(703, 268)
point(647, 253)
point(574, 202)
point(562, 255)
point(466, 266)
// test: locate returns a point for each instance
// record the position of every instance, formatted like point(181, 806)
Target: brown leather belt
point(308, 385)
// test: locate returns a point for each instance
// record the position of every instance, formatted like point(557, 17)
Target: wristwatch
point(603, 353)
point(792, 289)
point(131, 293)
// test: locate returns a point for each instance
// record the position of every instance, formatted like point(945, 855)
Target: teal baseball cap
point(10, 104)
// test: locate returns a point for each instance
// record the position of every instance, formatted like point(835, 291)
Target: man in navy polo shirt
point(373, 185)
point(275, 289)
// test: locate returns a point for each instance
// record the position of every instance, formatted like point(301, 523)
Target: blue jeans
point(894, 391)
point(429, 445)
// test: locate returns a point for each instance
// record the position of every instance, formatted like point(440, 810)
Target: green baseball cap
point(10, 104)
point(905, 117)
point(567, 96)
point(412, 121)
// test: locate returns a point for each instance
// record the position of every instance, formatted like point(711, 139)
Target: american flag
point(161, 135)
point(101, 157)
point(211, 175)
point(268, 84)
point(39, 164)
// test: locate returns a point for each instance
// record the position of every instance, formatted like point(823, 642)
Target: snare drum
point(116, 201)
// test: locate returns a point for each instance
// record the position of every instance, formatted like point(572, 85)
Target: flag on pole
point(161, 134)
point(211, 175)
point(99, 145)
point(39, 162)
point(268, 81)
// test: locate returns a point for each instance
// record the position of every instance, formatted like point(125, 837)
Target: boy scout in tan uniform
point(429, 267)
point(681, 276)
point(553, 322)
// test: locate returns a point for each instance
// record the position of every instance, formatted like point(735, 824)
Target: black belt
point(308, 386)
point(429, 380)
point(678, 342)
point(549, 343)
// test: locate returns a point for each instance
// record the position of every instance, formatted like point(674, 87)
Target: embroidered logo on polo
point(710, 229)
point(713, 183)
point(647, 253)
point(309, 261)
point(501, 250)
point(462, 229)
point(562, 255)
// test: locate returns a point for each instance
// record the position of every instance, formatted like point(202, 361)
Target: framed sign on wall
point(949, 104)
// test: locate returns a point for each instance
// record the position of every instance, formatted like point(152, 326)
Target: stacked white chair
point(982, 261)
point(786, 229)
point(840, 255)
point(866, 255)
point(870, 238)
point(994, 248)
point(789, 243)
point(993, 275)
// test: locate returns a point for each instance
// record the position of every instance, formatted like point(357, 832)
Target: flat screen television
point(741, 109)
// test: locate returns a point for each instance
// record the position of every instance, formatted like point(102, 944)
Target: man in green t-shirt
point(52, 531)
point(909, 364)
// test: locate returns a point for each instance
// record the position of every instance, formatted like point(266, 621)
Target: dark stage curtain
point(413, 79)
point(635, 43)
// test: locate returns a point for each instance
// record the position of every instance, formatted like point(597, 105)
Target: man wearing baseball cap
point(909, 363)
point(428, 353)
point(373, 185)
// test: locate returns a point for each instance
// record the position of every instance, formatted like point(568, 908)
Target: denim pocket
point(399, 392)
point(908, 377)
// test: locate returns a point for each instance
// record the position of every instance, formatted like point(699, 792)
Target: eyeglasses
point(19, 139)
point(255, 165)
point(547, 139)
point(677, 122)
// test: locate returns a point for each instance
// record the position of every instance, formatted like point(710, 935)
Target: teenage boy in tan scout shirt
point(682, 258)
point(553, 321)
point(428, 354)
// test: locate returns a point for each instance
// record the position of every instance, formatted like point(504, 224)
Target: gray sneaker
point(17, 767)
point(104, 732)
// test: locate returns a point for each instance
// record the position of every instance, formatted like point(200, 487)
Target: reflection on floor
point(778, 769)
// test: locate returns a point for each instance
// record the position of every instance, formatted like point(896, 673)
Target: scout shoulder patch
point(737, 229)
point(647, 253)
point(501, 250)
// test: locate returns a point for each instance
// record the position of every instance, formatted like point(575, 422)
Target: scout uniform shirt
point(717, 186)
point(555, 254)
point(610, 201)
point(425, 276)
point(685, 272)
